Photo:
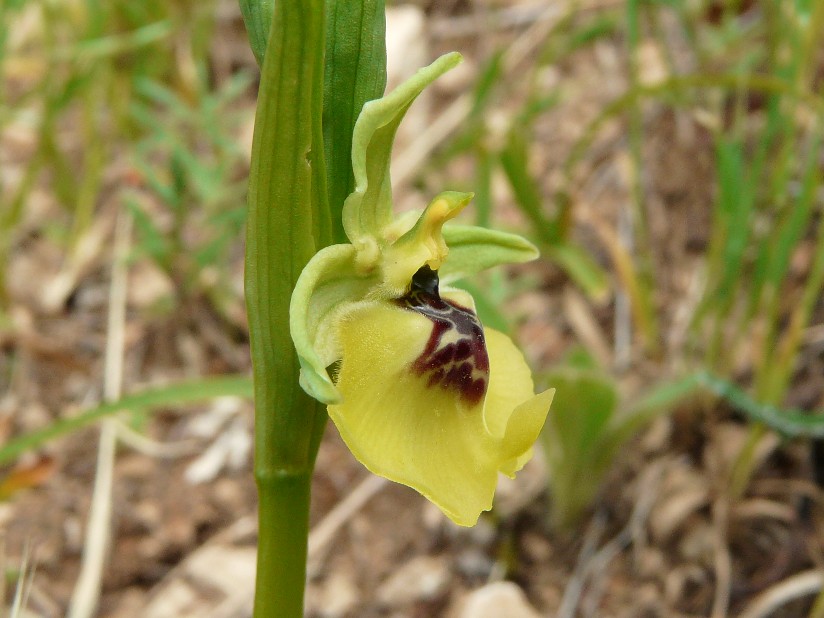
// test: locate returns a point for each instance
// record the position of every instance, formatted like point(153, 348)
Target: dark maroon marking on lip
point(461, 365)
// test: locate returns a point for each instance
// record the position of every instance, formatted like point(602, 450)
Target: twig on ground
point(575, 585)
point(98, 527)
point(3, 569)
point(723, 562)
point(25, 579)
point(321, 535)
point(596, 569)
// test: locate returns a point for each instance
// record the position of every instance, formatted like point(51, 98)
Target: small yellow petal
point(522, 430)
point(510, 381)
point(511, 412)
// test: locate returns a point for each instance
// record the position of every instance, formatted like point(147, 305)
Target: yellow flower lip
point(423, 435)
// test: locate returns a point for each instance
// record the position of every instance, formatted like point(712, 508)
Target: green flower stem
point(282, 544)
point(288, 221)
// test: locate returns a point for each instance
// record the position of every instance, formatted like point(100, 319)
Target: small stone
point(147, 514)
point(496, 601)
point(129, 603)
point(338, 596)
point(513, 495)
point(475, 564)
point(483, 534)
point(424, 578)
point(698, 544)
point(536, 547)
point(651, 562)
point(149, 285)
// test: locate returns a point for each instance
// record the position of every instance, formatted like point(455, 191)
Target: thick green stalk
point(289, 220)
point(282, 545)
point(286, 221)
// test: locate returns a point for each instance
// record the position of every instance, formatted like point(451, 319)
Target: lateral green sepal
point(474, 249)
point(327, 285)
point(369, 208)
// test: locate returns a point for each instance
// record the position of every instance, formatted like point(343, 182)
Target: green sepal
point(369, 208)
point(474, 249)
point(327, 285)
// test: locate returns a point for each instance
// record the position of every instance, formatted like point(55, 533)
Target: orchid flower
point(421, 392)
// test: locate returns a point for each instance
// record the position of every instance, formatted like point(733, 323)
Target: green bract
point(423, 394)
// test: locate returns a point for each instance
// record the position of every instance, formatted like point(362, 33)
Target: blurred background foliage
point(678, 209)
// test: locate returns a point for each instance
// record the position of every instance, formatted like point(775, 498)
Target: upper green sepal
point(368, 209)
point(474, 249)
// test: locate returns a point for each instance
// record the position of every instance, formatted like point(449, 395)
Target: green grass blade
point(150, 399)
point(515, 163)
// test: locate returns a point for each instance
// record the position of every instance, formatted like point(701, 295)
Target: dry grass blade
point(596, 569)
point(237, 594)
point(723, 561)
point(581, 319)
point(802, 584)
point(152, 448)
point(98, 528)
point(24, 584)
point(3, 569)
point(324, 532)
